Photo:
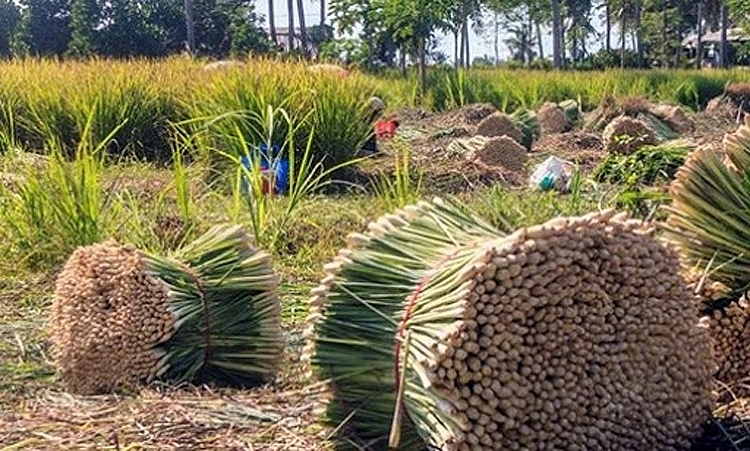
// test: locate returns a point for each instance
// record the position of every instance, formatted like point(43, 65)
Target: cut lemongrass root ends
point(208, 313)
point(575, 334)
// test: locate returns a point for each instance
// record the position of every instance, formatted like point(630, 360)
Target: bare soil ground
point(37, 414)
point(428, 136)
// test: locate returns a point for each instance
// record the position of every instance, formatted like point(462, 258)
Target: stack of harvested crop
point(653, 116)
point(576, 334)
point(107, 318)
point(497, 152)
point(209, 312)
point(499, 124)
point(572, 110)
point(528, 124)
point(709, 212)
point(733, 104)
point(708, 220)
point(674, 117)
point(625, 135)
point(552, 119)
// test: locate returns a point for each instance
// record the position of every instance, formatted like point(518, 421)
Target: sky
point(480, 45)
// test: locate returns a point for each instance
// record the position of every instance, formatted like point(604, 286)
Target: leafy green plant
point(648, 165)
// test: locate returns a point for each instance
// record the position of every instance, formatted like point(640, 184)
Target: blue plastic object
point(547, 183)
point(274, 168)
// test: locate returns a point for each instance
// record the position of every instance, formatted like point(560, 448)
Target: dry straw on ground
point(169, 419)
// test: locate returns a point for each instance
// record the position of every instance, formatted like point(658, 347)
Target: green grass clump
point(55, 205)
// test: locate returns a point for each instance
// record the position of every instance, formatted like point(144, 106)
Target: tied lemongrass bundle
point(210, 312)
point(709, 220)
point(575, 334)
point(357, 312)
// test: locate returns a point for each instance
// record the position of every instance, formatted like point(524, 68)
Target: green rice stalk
point(223, 293)
point(365, 298)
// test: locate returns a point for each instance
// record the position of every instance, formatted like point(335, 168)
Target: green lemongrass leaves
point(407, 276)
point(710, 213)
point(224, 295)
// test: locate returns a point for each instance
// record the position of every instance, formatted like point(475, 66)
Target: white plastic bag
point(553, 173)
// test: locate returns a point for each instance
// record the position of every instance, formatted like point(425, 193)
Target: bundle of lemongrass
point(709, 220)
point(578, 334)
point(710, 213)
point(210, 312)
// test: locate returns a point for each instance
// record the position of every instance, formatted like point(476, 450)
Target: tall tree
point(416, 21)
point(579, 14)
point(44, 28)
point(557, 31)
point(724, 24)
point(302, 30)
point(290, 22)
point(190, 25)
point(10, 16)
point(84, 19)
point(272, 22)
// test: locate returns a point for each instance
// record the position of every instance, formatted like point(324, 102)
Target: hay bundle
point(730, 333)
point(733, 104)
point(709, 212)
point(209, 312)
point(528, 124)
point(577, 334)
point(572, 110)
point(475, 113)
point(499, 124)
point(552, 119)
point(498, 152)
point(625, 135)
